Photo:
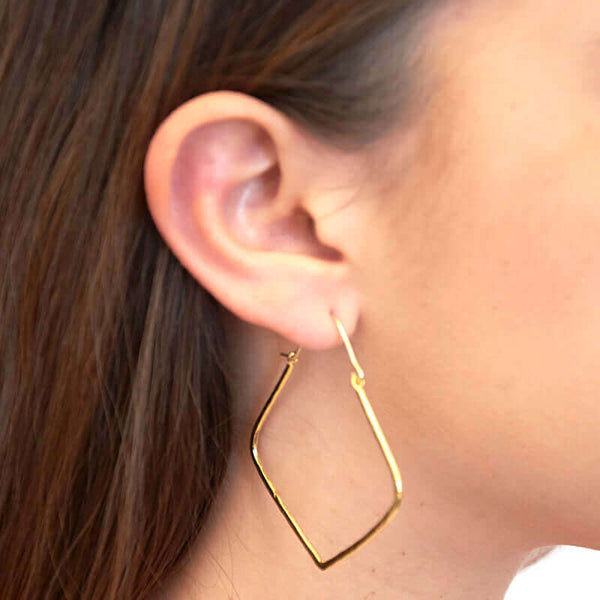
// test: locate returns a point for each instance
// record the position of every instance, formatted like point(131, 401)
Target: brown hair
point(114, 415)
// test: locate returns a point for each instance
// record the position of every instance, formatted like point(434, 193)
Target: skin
point(461, 254)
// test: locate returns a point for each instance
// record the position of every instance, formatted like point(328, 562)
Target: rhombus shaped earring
point(357, 381)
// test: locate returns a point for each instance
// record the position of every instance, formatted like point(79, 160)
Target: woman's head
point(458, 246)
point(423, 169)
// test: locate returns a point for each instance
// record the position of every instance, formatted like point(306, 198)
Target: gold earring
point(357, 381)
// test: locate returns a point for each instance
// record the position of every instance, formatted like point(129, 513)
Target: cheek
point(513, 310)
point(536, 263)
point(532, 257)
point(517, 274)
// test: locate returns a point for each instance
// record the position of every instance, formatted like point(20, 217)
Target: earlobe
point(229, 207)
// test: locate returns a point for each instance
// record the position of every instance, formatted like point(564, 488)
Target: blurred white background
point(567, 573)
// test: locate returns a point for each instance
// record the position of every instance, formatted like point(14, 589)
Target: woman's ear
point(235, 188)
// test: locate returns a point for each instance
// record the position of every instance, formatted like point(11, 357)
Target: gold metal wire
point(357, 380)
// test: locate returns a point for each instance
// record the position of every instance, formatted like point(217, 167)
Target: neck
point(318, 449)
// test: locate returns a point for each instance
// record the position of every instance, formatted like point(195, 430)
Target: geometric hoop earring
point(357, 381)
